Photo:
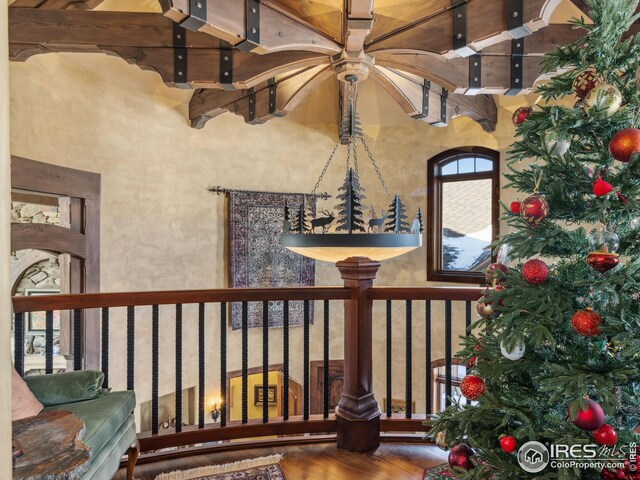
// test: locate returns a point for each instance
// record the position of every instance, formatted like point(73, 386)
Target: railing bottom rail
point(192, 435)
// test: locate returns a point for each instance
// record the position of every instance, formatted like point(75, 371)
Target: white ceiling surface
point(375, 105)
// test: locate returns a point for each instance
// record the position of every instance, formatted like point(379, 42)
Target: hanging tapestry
point(259, 261)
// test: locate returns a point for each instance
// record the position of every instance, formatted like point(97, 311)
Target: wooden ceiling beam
point(495, 77)
point(73, 27)
point(57, 4)
point(429, 102)
point(147, 40)
point(249, 25)
point(273, 98)
point(359, 24)
point(484, 23)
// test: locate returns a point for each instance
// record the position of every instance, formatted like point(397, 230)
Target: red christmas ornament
point(520, 115)
point(534, 209)
point(473, 387)
point(606, 435)
point(494, 273)
point(603, 261)
point(586, 81)
point(508, 443)
point(587, 322)
point(515, 207)
point(460, 456)
point(472, 362)
point(624, 473)
point(601, 187)
point(590, 419)
point(535, 271)
point(624, 144)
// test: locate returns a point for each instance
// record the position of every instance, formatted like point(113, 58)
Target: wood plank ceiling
point(259, 58)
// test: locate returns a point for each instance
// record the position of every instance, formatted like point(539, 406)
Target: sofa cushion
point(23, 402)
point(102, 416)
point(66, 387)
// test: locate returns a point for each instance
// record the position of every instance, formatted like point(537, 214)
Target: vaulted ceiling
point(437, 58)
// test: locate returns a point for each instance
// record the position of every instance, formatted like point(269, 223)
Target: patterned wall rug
point(263, 468)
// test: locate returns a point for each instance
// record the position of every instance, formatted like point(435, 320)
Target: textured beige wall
point(5, 287)
point(161, 229)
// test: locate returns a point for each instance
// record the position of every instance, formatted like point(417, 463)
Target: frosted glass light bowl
point(333, 247)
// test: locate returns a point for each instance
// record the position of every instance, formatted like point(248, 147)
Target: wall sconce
point(215, 410)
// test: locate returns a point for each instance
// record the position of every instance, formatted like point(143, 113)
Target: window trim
point(435, 271)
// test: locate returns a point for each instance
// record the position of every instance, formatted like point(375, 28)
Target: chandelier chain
point(355, 157)
point(326, 166)
point(375, 166)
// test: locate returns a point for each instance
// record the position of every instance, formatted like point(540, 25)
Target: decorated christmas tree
point(350, 208)
point(397, 217)
point(554, 358)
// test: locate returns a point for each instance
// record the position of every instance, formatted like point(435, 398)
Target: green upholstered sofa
point(108, 417)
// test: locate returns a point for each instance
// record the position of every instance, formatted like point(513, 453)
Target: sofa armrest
point(66, 387)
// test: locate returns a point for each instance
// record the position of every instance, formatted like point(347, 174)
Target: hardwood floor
point(392, 461)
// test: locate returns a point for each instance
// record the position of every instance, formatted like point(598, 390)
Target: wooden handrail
point(131, 299)
point(425, 293)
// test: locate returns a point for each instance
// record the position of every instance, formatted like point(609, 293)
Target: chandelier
point(340, 233)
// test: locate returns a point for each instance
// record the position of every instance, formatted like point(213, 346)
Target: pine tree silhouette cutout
point(350, 210)
point(297, 221)
point(397, 219)
point(286, 224)
point(420, 222)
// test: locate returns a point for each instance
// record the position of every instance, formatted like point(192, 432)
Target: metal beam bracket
point(180, 57)
point(252, 25)
point(426, 93)
point(197, 15)
point(475, 74)
point(273, 89)
point(252, 105)
point(460, 45)
point(517, 69)
point(226, 68)
point(443, 106)
point(515, 19)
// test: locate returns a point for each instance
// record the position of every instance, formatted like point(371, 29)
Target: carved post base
point(358, 435)
point(357, 414)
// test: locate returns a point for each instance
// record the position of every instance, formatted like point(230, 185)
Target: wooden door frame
point(316, 400)
point(81, 240)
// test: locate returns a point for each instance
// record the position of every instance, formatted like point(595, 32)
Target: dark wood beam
point(147, 40)
point(429, 102)
point(486, 25)
point(269, 99)
point(274, 31)
point(56, 4)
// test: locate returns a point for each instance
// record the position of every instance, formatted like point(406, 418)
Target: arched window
point(463, 194)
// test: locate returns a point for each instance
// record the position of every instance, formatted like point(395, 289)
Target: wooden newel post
point(358, 414)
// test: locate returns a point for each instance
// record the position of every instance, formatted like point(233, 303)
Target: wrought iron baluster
point(325, 403)
point(409, 363)
point(77, 339)
point(245, 362)
point(265, 361)
point(48, 342)
point(131, 332)
point(427, 360)
point(447, 350)
point(389, 356)
point(105, 346)
point(178, 368)
point(285, 355)
point(305, 387)
point(18, 335)
point(155, 366)
point(223, 364)
point(201, 364)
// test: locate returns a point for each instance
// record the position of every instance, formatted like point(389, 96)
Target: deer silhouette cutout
point(377, 222)
point(323, 222)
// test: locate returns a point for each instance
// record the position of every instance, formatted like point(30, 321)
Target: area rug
point(262, 468)
point(439, 472)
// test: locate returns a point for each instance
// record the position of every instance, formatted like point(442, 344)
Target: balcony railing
point(357, 409)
